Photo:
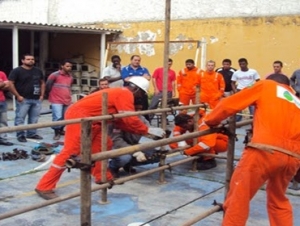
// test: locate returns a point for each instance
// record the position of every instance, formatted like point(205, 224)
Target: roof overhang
point(56, 28)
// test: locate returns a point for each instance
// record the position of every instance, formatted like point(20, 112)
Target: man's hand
point(159, 132)
point(20, 98)
point(140, 156)
point(182, 144)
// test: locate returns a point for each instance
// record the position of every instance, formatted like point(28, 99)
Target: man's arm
point(13, 90)
point(146, 74)
point(233, 86)
point(106, 75)
point(43, 88)
point(173, 89)
point(293, 80)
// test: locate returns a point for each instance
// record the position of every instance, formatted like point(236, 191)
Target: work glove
point(140, 156)
point(182, 144)
point(159, 132)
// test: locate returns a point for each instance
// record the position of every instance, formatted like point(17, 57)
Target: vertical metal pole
point(196, 125)
point(102, 53)
point(85, 175)
point(104, 147)
point(165, 77)
point(203, 53)
point(230, 154)
point(15, 47)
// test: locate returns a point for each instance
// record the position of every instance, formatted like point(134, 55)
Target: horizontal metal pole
point(202, 216)
point(153, 42)
point(97, 118)
point(97, 188)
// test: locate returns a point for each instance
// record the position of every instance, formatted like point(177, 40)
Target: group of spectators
point(269, 157)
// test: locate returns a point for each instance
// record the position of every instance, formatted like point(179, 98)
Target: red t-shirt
point(3, 78)
point(159, 74)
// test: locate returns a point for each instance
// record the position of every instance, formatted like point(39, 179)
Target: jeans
point(3, 117)
point(58, 112)
point(30, 107)
point(116, 163)
point(238, 118)
point(156, 97)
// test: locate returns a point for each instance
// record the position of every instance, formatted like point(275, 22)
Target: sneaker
point(129, 169)
point(62, 132)
point(56, 135)
point(207, 164)
point(35, 136)
point(22, 139)
point(46, 194)
point(6, 143)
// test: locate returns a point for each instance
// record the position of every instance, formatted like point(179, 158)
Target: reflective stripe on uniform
point(204, 146)
point(58, 167)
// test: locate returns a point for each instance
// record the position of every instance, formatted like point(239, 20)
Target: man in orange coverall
point(272, 156)
point(120, 100)
point(211, 143)
point(212, 85)
point(187, 80)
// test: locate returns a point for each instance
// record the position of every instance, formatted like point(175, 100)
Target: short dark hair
point(63, 62)
point(115, 57)
point(133, 56)
point(170, 60)
point(278, 62)
point(226, 61)
point(190, 61)
point(279, 78)
point(243, 60)
point(102, 80)
point(181, 119)
point(25, 55)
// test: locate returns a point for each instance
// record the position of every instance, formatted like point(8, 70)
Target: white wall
point(24, 10)
point(92, 11)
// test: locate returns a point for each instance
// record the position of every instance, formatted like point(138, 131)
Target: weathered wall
point(261, 40)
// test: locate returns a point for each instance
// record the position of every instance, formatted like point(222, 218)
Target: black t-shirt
point(227, 74)
point(27, 82)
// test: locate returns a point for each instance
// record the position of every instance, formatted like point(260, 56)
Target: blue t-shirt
point(129, 71)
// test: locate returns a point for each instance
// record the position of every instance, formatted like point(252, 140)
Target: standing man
point(157, 81)
point(4, 85)
point(113, 72)
point(187, 80)
point(135, 69)
point(60, 96)
point(243, 78)
point(295, 82)
point(272, 156)
point(277, 67)
point(120, 100)
point(28, 85)
point(227, 72)
point(212, 85)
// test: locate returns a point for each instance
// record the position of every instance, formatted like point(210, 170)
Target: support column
point(103, 53)
point(15, 47)
point(44, 50)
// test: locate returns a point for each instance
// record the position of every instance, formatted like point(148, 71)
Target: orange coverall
point(212, 88)
point(275, 131)
point(211, 143)
point(186, 85)
point(119, 100)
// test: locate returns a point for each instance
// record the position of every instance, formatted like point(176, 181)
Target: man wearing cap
point(120, 100)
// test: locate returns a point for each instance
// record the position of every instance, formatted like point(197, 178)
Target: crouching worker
point(121, 139)
point(120, 100)
point(212, 143)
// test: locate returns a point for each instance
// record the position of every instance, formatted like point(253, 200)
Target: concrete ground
point(184, 195)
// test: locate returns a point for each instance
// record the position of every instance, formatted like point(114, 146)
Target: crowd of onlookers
point(27, 84)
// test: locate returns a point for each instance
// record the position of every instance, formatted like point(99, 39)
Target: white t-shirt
point(245, 78)
point(113, 72)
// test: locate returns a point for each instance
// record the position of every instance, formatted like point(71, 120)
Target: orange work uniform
point(212, 88)
point(211, 143)
point(120, 100)
point(275, 131)
point(187, 80)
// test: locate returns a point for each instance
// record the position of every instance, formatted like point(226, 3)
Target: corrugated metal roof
point(56, 27)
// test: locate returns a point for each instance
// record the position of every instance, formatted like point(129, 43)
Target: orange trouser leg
point(185, 99)
point(254, 169)
point(279, 208)
point(221, 143)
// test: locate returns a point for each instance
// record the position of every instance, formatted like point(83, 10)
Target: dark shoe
point(56, 135)
point(207, 164)
point(6, 143)
point(36, 137)
point(62, 132)
point(129, 169)
point(22, 139)
point(46, 194)
point(114, 172)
